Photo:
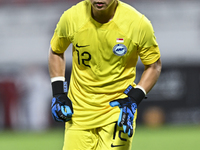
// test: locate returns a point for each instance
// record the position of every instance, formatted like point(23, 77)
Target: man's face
point(101, 4)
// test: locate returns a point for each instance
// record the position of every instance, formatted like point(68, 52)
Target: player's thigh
point(112, 137)
point(79, 140)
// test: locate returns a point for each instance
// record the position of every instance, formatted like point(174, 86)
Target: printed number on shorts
point(120, 133)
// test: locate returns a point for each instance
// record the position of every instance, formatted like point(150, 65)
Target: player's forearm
point(150, 75)
point(56, 64)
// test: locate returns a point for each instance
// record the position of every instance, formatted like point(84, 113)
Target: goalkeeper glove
point(128, 108)
point(61, 106)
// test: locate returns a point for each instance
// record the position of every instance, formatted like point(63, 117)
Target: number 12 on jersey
point(83, 58)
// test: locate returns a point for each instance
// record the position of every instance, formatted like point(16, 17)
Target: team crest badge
point(119, 49)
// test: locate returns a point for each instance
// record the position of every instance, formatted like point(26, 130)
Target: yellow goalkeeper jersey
point(104, 59)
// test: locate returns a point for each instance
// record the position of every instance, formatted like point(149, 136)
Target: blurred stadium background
point(169, 119)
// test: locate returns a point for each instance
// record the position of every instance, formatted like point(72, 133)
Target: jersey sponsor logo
point(112, 145)
point(81, 46)
point(119, 49)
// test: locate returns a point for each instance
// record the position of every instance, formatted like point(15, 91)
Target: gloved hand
point(61, 108)
point(128, 108)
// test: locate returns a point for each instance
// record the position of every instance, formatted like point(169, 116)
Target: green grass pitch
point(162, 138)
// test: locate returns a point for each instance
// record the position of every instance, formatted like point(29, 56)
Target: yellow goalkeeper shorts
point(109, 137)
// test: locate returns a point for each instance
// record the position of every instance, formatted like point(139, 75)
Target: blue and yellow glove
point(61, 106)
point(128, 107)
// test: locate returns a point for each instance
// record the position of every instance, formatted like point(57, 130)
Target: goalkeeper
point(100, 105)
